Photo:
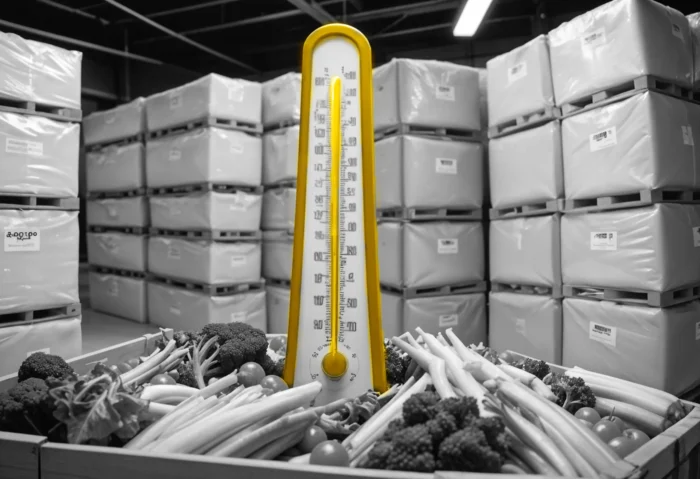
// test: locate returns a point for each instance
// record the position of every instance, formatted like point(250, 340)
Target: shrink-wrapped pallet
point(122, 122)
point(281, 100)
point(38, 156)
point(129, 211)
point(280, 153)
point(115, 168)
point(694, 21)
point(421, 172)
point(117, 250)
point(277, 255)
point(121, 296)
point(278, 309)
point(278, 209)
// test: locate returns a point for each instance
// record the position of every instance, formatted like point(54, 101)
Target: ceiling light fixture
point(470, 19)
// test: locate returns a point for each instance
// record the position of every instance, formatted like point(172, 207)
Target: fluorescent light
point(471, 17)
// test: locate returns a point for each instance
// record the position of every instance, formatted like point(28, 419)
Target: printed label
point(239, 316)
point(22, 239)
point(696, 236)
point(446, 166)
point(238, 260)
point(520, 327)
point(448, 246)
point(697, 331)
point(45, 351)
point(175, 155)
point(24, 147)
point(677, 32)
point(113, 288)
point(448, 320)
point(175, 311)
point(516, 72)
point(173, 252)
point(602, 334)
point(445, 92)
point(603, 241)
point(593, 39)
point(175, 99)
point(688, 135)
point(603, 139)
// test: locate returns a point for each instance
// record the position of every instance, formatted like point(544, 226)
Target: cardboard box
point(280, 155)
point(279, 209)
point(117, 250)
point(281, 99)
point(119, 296)
point(124, 121)
point(130, 211)
point(116, 168)
point(238, 211)
point(278, 247)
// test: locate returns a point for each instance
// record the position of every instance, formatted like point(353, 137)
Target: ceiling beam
point(74, 11)
point(420, 8)
point(314, 10)
point(175, 11)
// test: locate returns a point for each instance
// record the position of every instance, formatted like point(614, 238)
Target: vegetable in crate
point(538, 368)
point(397, 363)
point(43, 366)
point(572, 392)
point(26, 408)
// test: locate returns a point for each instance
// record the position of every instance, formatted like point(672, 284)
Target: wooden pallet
point(281, 184)
point(99, 195)
point(59, 312)
point(449, 290)
point(536, 209)
point(525, 122)
point(209, 235)
point(430, 214)
point(635, 297)
point(59, 113)
point(127, 140)
point(280, 125)
point(132, 230)
point(210, 289)
point(202, 188)
point(284, 283)
point(427, 131)
point(552, 291)
point(207, 122)
point(695, 96)
point(631, 200)
point(626, 90)
point(118, 272)
point(37, 202)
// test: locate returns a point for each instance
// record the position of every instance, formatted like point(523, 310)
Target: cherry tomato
point(275, 383)
point(115, 368)
point(330, 453)
point(588, 424)
point(617, 421)
point(312, 438)
point(506, 357)
point(250, 374)
point(278, 342)
point(162, 379)
point(607, 430)
point(133, 362)
point(623, 446)
point(639, 438)
point(174, 374)
point(588, 414)
point(124, 367)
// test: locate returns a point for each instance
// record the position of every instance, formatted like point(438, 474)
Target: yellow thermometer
point(335, 331)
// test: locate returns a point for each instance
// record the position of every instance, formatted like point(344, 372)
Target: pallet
point(203, 188)
point(33, 108)
point(128, 140)
point(554, 292)
point(132, 230)
point(207, 122)
point(427, 131)
point(46, 314)
point(34, 202)
point(631, 200)
point(100, 195)
point(280, 125)
point(280, 185)
point(536, 209)
point(93, 268)
point(695, 96)
point(208, 235)
point(635, 297)
point(525, 122)
point(626, 90)
point(284, 283)
point(431, 292)
point(210, 289)
point(430, 214)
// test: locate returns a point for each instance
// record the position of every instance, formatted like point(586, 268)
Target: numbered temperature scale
point(335, 334)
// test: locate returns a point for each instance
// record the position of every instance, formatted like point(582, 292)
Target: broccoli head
point(27, 408)
point(272, 367)
point(244, 344)
point(396, 364)
point(572, 393)
point(44, 366)
point(221, 330)
point(419, 408)
point(412, 450)
point(186, 375)
point(534, 366)
point(461, 408)
point(186, 338)
point(468, 450)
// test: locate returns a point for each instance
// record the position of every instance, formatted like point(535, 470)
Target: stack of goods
point(526, 188)
point(281, 112)
point(694, 20)
point(203, 171)
point(117, 210)
point(429, 169)
point(630, 234)
point(40, 136)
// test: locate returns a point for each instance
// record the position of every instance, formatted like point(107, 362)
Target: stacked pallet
point(203, 172)
point(429, 172)
point(117, 210)
point(526, 188)
point(281, 115)
point(694, 21)
point(40, 135)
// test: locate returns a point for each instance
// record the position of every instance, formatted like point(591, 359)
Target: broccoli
point(245, 344)
point(489, 353)
point(186, 375)
point(27, 408)
point(534, 366)
point(272, 367)
point(419, 408)
point(572, 393)
point(44, 366)
point(396, 364)
point(411, 450)
point(223, 331)
point(468, 450)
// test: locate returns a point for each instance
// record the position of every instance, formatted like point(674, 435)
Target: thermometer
point(335, 333)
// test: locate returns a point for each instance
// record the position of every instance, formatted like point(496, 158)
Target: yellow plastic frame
point(376, 334)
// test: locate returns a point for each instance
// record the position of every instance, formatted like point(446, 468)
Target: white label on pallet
point(22, 239)
point(520, 327)
point(175, 155)
point(696, 236)
point(238, 260)
point(602, 334)
point(517, 72)
point(239, 316)
point(448, 320)
point(445, 92)
point(593, 39)
point(603, 241)
point(687, 135)
point(24, 147)
point(677, 32)
point(113, 288)
point(45, 351)
point(175, 99)
point(448, 246)
point(173, 252)
point(446, 166)
point(697, 331)
point(603, 139)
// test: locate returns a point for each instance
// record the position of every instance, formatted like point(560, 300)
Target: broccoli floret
point(468, 450)
point(396, 364)
point(412, 450)
point(272, 367)
point(419, 408)
point(186, 338)
point(572, 393)
point(222, 330)
point(461, 408)
point(44, 366)
point(534, 366)
point(246, 344)
point(495, 431)
point(186, 375)
point(441, 426)
point(27, 408)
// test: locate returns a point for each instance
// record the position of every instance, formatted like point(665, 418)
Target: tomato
point(312, 438)
point(278, 342)
point(162, 379)
point(133, 362)
point(123, 367)
point(212, 381)
point(275, 383)
point(330, 453)
point(250, 374)
point(115, 368)
point(174, 374)
point(607, 430)
point(639, 438)
point(623, 446)
point(617, 421)
point(588, 414)
point(588, 424)
point(506, 357)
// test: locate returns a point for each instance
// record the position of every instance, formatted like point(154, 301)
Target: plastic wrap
point(464, 313)
point(645, 142)
point(281, 99)
point(426, 93)
point(279, 209)
point(38, 260)
point(39, 72)
point(38, 156)
point(277, 255)
point(419, 172)
point(124, 121)
point(181, 309)
point(205, 155)
point(520, 82)
point(525, 251)
point(650, 346)
point(484, 100)
point(424, 255)
point(207, 262)
point(526, 167)
point(117, 250)
point(277, 309)
point(130, 211)
point(694, 21)
point(119, 296)
point(239, 211)
point(655, 248)
point(62, 337)
point(212, 96)
point(116, 168)
point(617, 42)
point(280, 153)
